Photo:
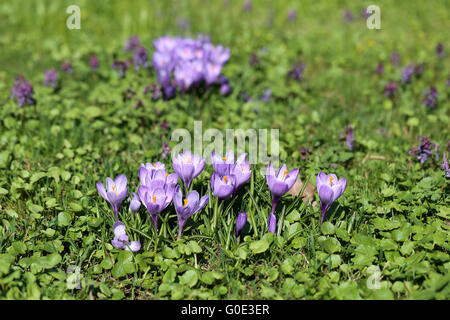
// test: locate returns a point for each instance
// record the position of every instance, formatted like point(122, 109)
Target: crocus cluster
point(279, 183)
point(431, 96)
point(229, 176)
point(190, 61)
point(50, 77)
point(23, 91)
point(424, 150)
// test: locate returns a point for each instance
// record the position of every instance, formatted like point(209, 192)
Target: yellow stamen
point(224, 158)
point(167, 175)
point(154, 199)
point(154, 165)
point(113, 187)
point(189, 160)
point(285, 173)
point(185, 202)
point(225, 179)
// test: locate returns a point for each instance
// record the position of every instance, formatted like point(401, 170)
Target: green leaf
point(189, 278)
point(259, 246)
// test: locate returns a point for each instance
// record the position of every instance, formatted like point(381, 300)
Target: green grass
point(393, 215)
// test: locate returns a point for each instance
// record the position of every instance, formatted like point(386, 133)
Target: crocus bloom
point(187, 207)
point(223, 165)
point(241, 172)
point(23, 91)
point(67, 67)
point(390, 89)
point(132, 43)
point(140, 58)
point(431, 96)
point(445, 166)
point(122, 66)
point(440, 50)
point(156, 199)
point(50, 77)
point(115, 192)
point(222, 186)
point(121, 240)
point(279, 184)
point(93, 62)
point(188, 166)
point(395, 58)
point(329, 189)
point(240, 222)
point(407, 73)
point(135, 203)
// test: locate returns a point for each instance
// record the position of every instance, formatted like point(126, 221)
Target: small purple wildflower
point(248, 6)
point(390, 89)
point(266, 95)
point(66, 67)
point(93, 62)
point(440, 50)
point(292, 14)
point(132, 43)
point(164, 125)
point(445, 166)
point(304, 152)
point(140, 58)
point(348, 15)
point(254, 59)
point(395, 58)
point(431, 96)
point(166, 150)
point(380, 68)
point(365, 13)
point(297, 71)
point(349, 139)
point(50, 77)
point(407, 73)
point(122, 66)
point(424, 150)
point(23, 91)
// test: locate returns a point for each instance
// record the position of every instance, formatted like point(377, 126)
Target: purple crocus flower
point(407, 73)
point(292, 15)
point(156, 198)
point(135, 203)
point(297, 70)
point(395, 58)
point(445, 166)
point(23, 91)
point(121, 240)
point(348, 15)
point(67, 67)
point(440, 50)
point(222, 186)
point(279, 184)
point(390, 89)
point(140, 58)
point(241, 172)
point(169, 92)
point(115, 192)
point(132, 43)
point(380, 68)
point(329, 189)
point(187, 207)
point(241, 220)
point(50, 77)
point(122, 66)
point(188, 166)
point(424, 150)
point(93, 62)
point(349, 139)
point(431, 96)
point(223, 165)
point(225, 89)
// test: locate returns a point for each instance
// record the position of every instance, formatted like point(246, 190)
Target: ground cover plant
point(94, 205)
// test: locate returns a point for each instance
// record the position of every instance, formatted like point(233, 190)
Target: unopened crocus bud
point(135, 203)
point(240, 222)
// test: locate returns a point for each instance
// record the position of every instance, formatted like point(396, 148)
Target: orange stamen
point(225, 179)
point(185, 202)
point(224, 158)
point(154, 199)
point(331, 179)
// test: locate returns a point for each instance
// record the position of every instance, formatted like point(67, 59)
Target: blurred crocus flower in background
point(297, 70)
point(431, 96)
point(395, 57)
point(424, 150)
point(187, 207)
point(292, 14)
point(349, 137)
point(121, 240)
point(66, 67)
point(241, 172)
point(23, 91)
point(445, 166)
point(132, 43)
point(247, 6)
point(225, 87)
point(390, 89)
point(440, 50)
point(93, 62)
point(241, 220)
point(329, 189)
point(50, 77)
point(135, 203)
point(407, 73)
point(121, 66)
point(380, 68)
point(115, 192)
point(279, 184)
point(348, 15)
point(140, 58)
point(188, 166)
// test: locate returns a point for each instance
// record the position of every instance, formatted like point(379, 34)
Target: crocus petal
point(291, 178)
point(134, 246)
point(102, 191)
point(119, 229)
point(326, 195)
point(117, 244)
point(121, 182)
